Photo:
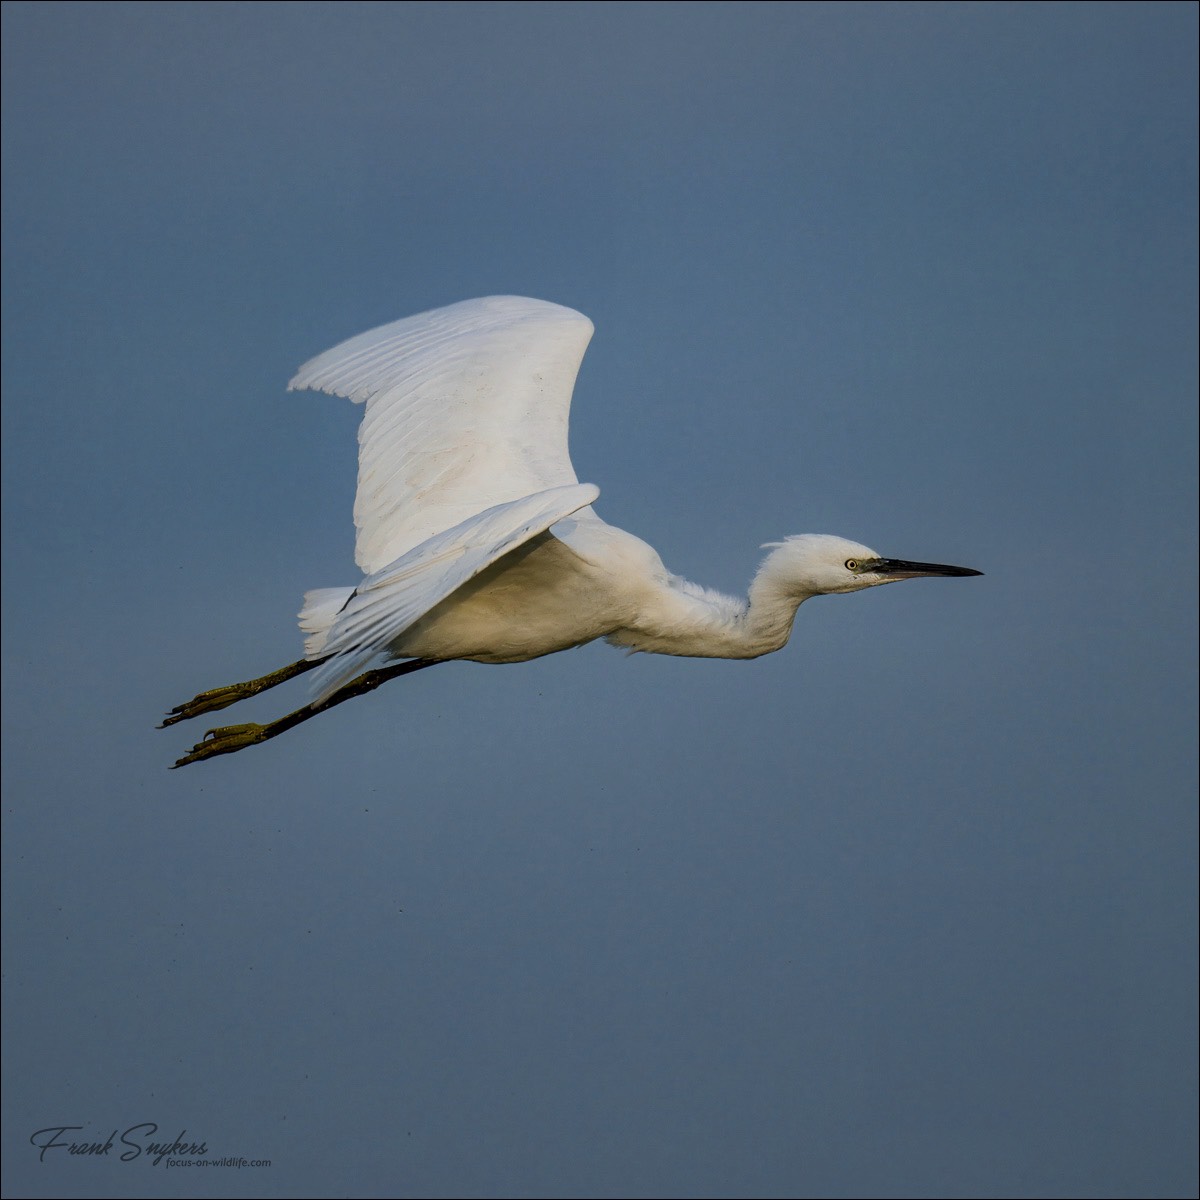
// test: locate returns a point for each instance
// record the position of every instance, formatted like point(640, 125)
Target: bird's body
point(580, 580)
point(584, 579)
point(478, 542)
point(558, 590)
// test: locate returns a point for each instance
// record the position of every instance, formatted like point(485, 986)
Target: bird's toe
point(224, 740)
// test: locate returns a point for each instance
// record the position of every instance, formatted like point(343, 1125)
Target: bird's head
point(816, 564)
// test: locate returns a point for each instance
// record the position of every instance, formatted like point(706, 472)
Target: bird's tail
point(321, 607)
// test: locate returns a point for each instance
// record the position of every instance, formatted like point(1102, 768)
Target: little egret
point(477, 540)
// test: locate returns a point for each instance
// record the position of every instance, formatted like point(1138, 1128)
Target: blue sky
point(907, 909)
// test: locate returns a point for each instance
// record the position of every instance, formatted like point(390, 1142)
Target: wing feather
point(466, 408)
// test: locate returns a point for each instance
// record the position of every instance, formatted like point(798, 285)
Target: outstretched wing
point(386, 603)
point(467, 408)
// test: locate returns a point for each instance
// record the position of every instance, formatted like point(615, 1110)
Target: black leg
point(237, 737)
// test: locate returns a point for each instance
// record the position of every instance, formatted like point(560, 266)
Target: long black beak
point(899, 568)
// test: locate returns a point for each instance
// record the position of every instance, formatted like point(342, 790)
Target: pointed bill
point(900, 568)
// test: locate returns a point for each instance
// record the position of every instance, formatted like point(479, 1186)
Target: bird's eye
point(852, 564)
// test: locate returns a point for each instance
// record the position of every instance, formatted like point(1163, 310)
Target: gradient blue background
point(904, 910)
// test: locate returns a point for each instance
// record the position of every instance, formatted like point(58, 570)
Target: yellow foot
point(222, 697)
point(225, 740)
point(210, 701)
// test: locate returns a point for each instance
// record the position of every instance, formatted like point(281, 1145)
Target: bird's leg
point(223, 697)
point(229, 738)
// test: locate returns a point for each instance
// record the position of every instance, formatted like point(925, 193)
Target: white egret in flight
point(476, 539)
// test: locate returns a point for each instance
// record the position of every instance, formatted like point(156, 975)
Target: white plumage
point(476, 538)
point(466, 408)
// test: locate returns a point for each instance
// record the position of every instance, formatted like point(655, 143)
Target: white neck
point(696, 622)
